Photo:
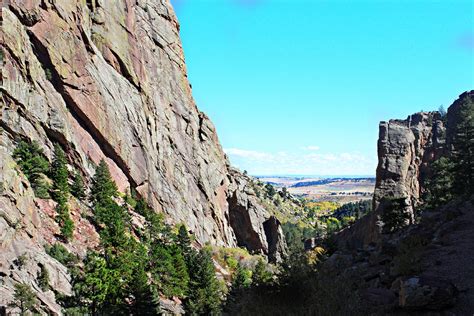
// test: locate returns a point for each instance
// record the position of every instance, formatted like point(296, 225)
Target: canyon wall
point(107, 80)
point(406, 149)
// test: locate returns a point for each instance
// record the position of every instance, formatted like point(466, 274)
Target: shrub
point(34, 165)
point(43, 278)
point(60, 253)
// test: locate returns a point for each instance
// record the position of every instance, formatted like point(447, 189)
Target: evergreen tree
point(463, 150)
point(24, 298)
point(43, 278)
point(162, 268)
point(34, 165)
point(395, 215)
point(180, 276)
point(113, 219)
point(64, 219)
point(103, 187)
point(204, 292)
point(146, 300)
point(241, 278)
point(260, 275)
point(77, 188)
point(60, 191)
point(439, 188)
point(95, 284)
point(59, 175)
point(184, 241)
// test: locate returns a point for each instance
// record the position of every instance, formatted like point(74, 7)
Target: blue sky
point(299, 87)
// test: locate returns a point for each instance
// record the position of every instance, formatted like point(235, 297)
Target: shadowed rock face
point(107, 79)
point(406, 149)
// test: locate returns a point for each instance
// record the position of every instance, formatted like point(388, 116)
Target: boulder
point(426, 293)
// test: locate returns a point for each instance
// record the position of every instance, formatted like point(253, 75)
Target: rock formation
point(107, 80)
point(406, 149)
point(420, 267)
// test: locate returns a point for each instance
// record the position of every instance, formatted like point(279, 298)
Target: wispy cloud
point(310, 163)
point(311, 148)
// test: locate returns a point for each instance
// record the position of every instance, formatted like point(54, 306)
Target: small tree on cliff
point(103, 187)
point(60, 192)
point(394, 215)
point(184, 241)
point(59, 175)
point(77, 188)
point(24, 298)
point(34, 165)
point(241, 279)
point(43, 278)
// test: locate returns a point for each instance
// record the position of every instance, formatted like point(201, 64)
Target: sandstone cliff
point(107, 79)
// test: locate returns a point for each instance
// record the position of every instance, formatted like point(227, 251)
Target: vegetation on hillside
point(303, 288)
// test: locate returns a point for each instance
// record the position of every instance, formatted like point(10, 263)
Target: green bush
point(43, 278)
point(34, 165)
point(60, 253)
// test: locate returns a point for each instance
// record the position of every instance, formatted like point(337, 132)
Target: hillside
point(411, 254)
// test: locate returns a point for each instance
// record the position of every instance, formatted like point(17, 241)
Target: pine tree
point(43, 278)
point(77, 188)
point(180, 275)
point(204, 291)
point(59, 175)
point(146, 300)
point(184, 241)
point(439, 189)
point(114, 220)
point(162, 268)
point(34, 165)
point(463, 150)
point(64, 219)
point(103, 187)
point(96, 283)
point(241, 278)
point(260, 275)
point(24, 298)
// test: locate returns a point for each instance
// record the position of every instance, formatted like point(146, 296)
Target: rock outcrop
point(419, 267)
point(255, 228)
point(107, 80)
point(406, 149)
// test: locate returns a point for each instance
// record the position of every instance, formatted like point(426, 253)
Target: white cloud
point(311, 163)
point(249, 154)
point(311, 148)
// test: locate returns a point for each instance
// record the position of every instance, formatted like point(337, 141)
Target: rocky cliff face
point(107, 80)
point(416, 269)
point(406, 149)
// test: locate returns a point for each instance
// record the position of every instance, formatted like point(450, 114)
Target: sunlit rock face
point(107, 80)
